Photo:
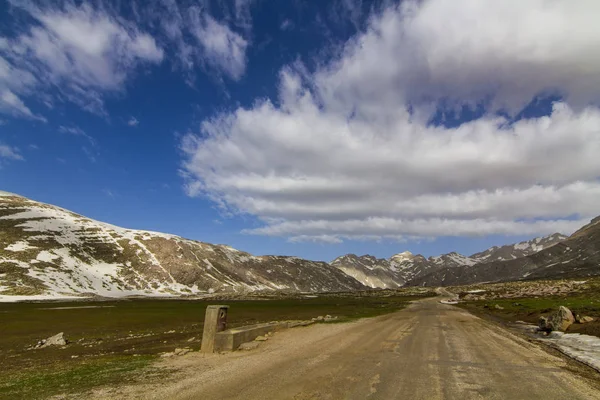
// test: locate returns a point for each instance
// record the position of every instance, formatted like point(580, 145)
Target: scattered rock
point(166, 355)
point(249, 346)
point(558, 321)
point(583, 320)
point(56, 340)
point(261, 339)
point(191, 339)
point(182, 352)
point(498, 307)
point(74, 356)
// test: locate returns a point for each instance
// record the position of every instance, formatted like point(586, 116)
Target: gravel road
point(426, 351)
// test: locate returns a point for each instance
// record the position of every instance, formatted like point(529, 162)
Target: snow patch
point(19, 246)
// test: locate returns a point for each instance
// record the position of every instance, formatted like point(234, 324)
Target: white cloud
point(221, 47)
point(347, 150)
point(11, 104)
point(133, 121)
point(286, 25)
point(81, 51)
point(76, 131)
point(10, 153)
point(197, 40)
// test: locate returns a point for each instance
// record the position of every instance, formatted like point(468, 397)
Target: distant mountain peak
point(405, 255)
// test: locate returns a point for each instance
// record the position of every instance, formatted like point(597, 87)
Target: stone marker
point(215, 320)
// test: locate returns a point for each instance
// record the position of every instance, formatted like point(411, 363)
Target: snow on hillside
point(47, 251)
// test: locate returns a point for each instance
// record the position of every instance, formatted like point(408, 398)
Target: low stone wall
point(231, 339)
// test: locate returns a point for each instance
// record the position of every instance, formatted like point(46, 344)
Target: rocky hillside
point(406, 268)
point(518, 250)
point(48, 252)
point(577, 256)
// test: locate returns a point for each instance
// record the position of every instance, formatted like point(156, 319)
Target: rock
point(191, 339)
point(583, 320)
point(320, 318)
point(56, 340)
point(249, 346)
point(497, 307)
point(261, 339)
point(558, 321)
point(182, 352)
point(166, 355)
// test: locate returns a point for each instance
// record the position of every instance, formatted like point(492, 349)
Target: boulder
point(261, 338)
point(558, 321)
point(56, 340)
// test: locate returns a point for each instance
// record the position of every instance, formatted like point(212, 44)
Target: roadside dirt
point(426, 351)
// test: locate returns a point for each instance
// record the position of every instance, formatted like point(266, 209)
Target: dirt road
point(427, 351)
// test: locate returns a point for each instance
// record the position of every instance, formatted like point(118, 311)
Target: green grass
point(76, 378)
point(105, 340)
point(530, 309)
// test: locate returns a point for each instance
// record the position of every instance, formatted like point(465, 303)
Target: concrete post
point(215, 321)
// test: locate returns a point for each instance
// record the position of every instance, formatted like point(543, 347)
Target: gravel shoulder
point(426, 351)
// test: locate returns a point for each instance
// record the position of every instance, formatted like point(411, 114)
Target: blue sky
point(307, 128)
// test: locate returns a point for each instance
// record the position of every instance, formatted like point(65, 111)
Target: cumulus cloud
point(133, 121)
point(349, 149)
point(80, 51)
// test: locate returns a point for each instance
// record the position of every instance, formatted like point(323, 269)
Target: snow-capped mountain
point(518, 250)
point(370, 271)
point(577, 256)
point(403, 268)
point(47, 251)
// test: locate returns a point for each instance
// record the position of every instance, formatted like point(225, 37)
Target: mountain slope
point(48, 251)
point(405, 267)
point(518, 250)
point(577, 256)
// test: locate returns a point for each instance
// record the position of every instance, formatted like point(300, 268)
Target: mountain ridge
point(401, 268)
point(47, 251)
point(50, 252)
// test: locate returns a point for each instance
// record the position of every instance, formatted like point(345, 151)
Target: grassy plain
point(113, 342)
point(527, 301)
